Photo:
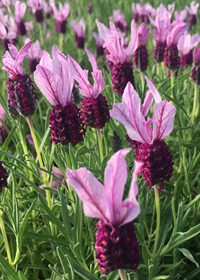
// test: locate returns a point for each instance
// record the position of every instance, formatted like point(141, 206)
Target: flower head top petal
point(54, 78)
point(176, 32)
point(193, 8)
point(179, 17)
point(62, 13)
point(114, 43)
point(2, 115)
point(13, 62)
point(105, 202)
point(81, 76)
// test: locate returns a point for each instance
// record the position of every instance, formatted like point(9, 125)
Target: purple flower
point(37, 6)
point(192, 11)
point(95, 109)
point(179, 17)
point(141, 53)
point(55, 80)
point(119, 55)
point(195, 72)
point(60, 15)
point(150, 149)
point(89, 10)
point(34, 55)
point(119, 20)
point(20, 9)
point(115, 239)
point(79, 29)
point(171, 57)
point(99, 42)
point(185, 45)
point(21, 91)
point(6, 34)
point(3, 177)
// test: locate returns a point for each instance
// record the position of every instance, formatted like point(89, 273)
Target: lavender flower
point(21, 91)
point(55, 80)
point(99, 42)
point(119, 55)
point(37, 6)
point(195, 72)
point(150, 149)
point(60, 16)
point(192, 11)
point(79, 29)
point(171, 57)
point(141, 53)
point(119, 20)
point(116, 243)
point(20, 9)
point(34, 55)
point(185, 45)
point(94, 108)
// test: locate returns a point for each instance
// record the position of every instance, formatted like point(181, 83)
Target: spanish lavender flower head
point(195, 72)
point(185, 45)
point(119, 55)
point(34, 55)
point(37, 6)
point(21, 91)
point(141, 53)
point(119, 20)
point(116, 243)
point(150, 149)
point(99, 42)
point(94, 108)
point(79, 29)
point(20, 9)
point(6, 35)
point(54, 78)
point(171, 57)
point(192, 11)
point(60, 15)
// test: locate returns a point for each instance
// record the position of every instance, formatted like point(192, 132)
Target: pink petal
point(147, 103)
point(114, 180)
point(23, 52)
point(13, 50)
point(131, 206)
point(92, 60)
point(163, 119)
point(154, 91)
point(90, 191)
point(48, 83)
point(81, 76)
point(196, 55)
point(177, 31)
point(131, 102)
point(62, 69)
point(134, 39)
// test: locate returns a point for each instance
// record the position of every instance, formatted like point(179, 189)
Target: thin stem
point(142, 80)
point(172, 82)
point(41, 35)
point(5, 239)
point(158, 69)
point(122, 274)
point(100, 144)
point(60, 41)
point(158, 219)
point(45, 180)
point(195, 102)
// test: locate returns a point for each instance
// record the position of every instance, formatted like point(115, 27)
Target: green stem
point(41, 35)
point(158, 219)
point(5, 239)
point(45, 179)
point(158, 69)
point(100, 144)
point(195, 102)
point(172, 82)
point(61, 41)
point(122, 274)
point(142, 80)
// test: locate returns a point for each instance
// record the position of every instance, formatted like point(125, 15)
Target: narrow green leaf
point(8, 139)
point(161, 277)
point(24, 223)
point(21, 276)
point(8, 267)
point(188, 255)
point(64, 263)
